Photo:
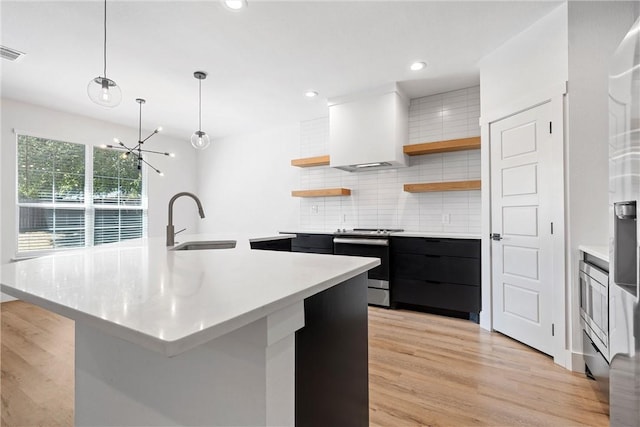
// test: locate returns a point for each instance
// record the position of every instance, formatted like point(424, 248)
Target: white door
point(522, 261)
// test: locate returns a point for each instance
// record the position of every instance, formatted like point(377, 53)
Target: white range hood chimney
point(367, 130)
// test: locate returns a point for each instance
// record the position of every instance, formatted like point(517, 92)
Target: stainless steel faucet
point(170, 230)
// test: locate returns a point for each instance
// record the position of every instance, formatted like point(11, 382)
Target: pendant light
point(138, 150)
point(199, 139)
point(102, 90)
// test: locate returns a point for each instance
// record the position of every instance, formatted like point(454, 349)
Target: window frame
point(88, 206)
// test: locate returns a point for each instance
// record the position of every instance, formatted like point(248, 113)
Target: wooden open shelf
point(442, 146)
point(324, 192)
point(311, 161)
point(442, 186)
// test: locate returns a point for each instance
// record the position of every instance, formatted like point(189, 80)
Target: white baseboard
point(6, 298)
point(577, 362)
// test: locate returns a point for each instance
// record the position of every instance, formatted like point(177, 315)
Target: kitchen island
point(199, 337)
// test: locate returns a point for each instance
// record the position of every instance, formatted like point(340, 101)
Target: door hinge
point(550, 127)
point(551, 228)
point(553, 330)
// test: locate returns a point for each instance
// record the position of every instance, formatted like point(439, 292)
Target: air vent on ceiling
point(10, 54)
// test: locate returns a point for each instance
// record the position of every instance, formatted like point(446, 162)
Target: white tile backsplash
point(377, 197)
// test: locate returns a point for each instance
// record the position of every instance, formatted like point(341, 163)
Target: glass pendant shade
point(104, 91)
point(200, 140)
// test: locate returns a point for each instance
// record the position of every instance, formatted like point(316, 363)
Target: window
point(73, 195)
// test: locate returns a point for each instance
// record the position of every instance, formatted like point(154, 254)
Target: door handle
point(496, 236)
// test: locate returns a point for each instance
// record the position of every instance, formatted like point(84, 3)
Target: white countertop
point(432, 234)
point(172, 301)
point(308, 232)
point(436, 235)
point(601, 252)
point(266, 238)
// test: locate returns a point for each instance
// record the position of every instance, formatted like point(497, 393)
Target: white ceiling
point(260, 60)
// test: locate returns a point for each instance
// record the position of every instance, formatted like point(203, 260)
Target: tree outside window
point(66, 201)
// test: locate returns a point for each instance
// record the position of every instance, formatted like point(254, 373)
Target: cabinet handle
point(433, 256)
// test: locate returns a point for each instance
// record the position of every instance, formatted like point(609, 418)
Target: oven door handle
point(367, 242)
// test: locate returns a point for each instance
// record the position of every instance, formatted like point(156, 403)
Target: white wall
point(377, 197)
point(245, 182)
point(180, 174)
point(531, 63)
point(595, 30)
point(528, 69)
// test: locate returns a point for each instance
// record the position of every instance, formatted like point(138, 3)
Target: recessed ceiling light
point(311, 94)
point(235, 4)
point(417, 66)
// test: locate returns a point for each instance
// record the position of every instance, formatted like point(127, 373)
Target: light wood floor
point(37, 366)
point(424, 370)
point(438, 371)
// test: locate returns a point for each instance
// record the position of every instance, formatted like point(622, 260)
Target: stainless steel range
point(369, 242)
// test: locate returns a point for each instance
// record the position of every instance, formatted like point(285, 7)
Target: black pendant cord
point(200, 106)
point(140, 138)
point(104, 46)
point(140, 141)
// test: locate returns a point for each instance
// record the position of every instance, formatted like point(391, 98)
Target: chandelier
point(137, 150)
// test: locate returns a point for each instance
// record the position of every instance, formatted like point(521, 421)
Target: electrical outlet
point(446, 218)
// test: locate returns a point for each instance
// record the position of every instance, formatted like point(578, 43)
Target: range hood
point(368, 130)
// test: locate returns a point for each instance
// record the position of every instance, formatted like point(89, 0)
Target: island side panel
point(219, 383)
point(332, 372)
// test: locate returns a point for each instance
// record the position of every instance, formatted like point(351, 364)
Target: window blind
point(56, 208)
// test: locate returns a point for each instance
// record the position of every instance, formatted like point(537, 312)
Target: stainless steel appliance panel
point(624, 193)
point(367, 248)
point(378, 297)
point(378, 284)
point(597, 364)
point(369, 243)
point(594, 305)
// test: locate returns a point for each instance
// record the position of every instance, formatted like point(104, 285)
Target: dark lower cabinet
point(273, 245)
point(313, 243)
point(444, 269)
point(332, 373)
point(447, 296)
point(439, 274)
point(303, 242)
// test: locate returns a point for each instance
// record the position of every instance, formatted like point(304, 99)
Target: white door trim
point(561, 353)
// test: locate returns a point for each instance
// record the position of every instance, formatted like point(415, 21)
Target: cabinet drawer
point(311, 250)
point(322, 241)
point(464, 271)
point(445, 247)
point(446, 296)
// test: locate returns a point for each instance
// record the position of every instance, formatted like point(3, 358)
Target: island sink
point(205, 244)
